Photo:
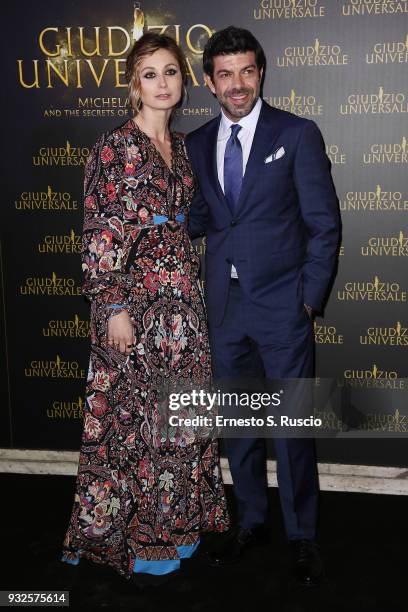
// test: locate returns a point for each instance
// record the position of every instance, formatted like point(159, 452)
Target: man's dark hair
point(229, 41)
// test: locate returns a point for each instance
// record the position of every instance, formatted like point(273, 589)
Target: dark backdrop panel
point(5, 412)
point(341, 63)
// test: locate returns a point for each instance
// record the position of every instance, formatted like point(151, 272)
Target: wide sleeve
point(103, 238)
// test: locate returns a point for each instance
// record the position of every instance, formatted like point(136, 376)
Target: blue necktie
point(233, 167)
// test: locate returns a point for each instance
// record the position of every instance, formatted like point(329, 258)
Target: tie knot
point(234, 130)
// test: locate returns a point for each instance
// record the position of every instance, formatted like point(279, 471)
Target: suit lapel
point(266, 133)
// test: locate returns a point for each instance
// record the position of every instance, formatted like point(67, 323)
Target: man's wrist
point(309, 310)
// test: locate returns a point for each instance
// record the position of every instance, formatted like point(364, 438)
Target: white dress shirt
point(246, 137)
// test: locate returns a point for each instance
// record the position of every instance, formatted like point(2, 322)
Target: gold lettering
point(162, 28)
point(64, 78)
point(98, 79)
point(41, 43)
point(188, 39)
point(177, 36)
point(190, 72)
point(78, 69)
point(35, 83)
point(96, 51)
point(111, 52)
point(69, 42)
point(119, 72)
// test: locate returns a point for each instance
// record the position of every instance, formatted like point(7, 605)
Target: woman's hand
point(121, 335)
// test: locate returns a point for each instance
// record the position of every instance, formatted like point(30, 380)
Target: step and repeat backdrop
point(342, 63)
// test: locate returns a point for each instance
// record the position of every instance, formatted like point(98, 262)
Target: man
point(267, 204)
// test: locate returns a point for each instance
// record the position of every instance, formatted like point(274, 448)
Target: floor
point(362, 538)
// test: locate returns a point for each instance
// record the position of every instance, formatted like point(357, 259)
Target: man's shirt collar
point(248, 122)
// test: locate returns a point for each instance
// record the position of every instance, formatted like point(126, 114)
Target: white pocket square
point(276, 155)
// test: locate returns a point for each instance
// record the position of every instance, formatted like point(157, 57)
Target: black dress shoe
point(234, 543)
point(307, 563)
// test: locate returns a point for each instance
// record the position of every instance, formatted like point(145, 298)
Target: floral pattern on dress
point(142, 488)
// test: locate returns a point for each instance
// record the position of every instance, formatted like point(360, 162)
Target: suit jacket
point(283, 238)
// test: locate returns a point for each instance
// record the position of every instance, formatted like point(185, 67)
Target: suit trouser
point(246, 345)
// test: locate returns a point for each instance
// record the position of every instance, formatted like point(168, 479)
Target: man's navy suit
point(283, 241)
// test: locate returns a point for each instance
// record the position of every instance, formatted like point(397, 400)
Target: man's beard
point(236, 110)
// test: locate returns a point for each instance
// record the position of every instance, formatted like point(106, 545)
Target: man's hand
point(121, 335)
point(309, 311)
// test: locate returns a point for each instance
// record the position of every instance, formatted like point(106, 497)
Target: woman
point(144, 492)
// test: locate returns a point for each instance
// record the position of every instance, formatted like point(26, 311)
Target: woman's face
point(161, 80)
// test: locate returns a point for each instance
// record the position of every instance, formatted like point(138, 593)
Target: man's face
point(236, 82)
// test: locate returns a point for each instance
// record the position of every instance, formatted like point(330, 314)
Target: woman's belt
point(158, 219)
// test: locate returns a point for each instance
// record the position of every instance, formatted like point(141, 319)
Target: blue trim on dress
point(185, 552)
point(158, 219)
point(166, 566)
point(157, 568)
point(70, 561)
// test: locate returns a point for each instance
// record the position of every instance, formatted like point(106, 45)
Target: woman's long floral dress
point(144, 491)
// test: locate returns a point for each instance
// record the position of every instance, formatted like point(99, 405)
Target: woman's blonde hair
point(146, 45)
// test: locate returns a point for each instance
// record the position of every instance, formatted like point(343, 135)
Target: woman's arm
point(103, 252)
point(103, 232)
